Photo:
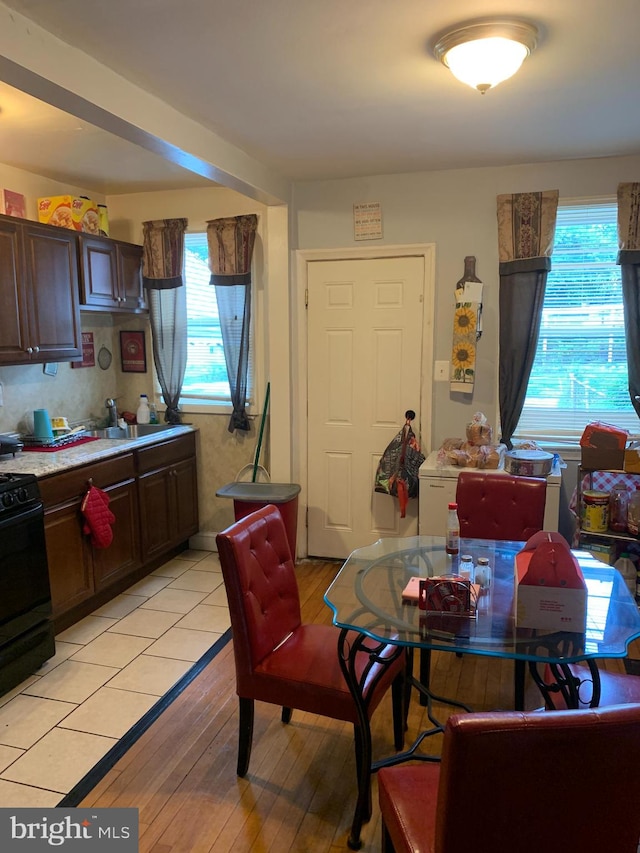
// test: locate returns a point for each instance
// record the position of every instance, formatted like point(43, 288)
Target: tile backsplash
point(75, 393)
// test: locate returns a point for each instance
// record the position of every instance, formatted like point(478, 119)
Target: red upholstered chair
point(500, 506)
point(557, 782)
point(504, 507)
point(278, 658)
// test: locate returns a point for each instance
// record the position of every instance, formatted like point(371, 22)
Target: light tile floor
point(108, 671)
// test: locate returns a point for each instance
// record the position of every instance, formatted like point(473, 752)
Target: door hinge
point(306, 298)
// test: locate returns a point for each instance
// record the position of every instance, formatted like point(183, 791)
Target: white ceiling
point(39, 138)
point(319, 89)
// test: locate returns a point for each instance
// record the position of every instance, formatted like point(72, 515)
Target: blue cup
point(42, 424)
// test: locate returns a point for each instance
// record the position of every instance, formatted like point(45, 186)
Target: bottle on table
point(153, 414)
point(483, 573)
point(465, 567)
point(453, 530)
point(143, 415)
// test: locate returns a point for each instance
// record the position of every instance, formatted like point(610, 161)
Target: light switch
point(441, 371)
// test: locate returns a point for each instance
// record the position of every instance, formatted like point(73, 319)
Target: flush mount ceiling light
point(485, 53)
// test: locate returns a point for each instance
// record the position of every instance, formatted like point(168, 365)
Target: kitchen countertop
point(44, 464)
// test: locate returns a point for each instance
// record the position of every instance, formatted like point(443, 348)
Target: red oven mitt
point(98, 518)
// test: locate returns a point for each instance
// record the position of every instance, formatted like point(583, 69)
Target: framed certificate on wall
point(133, 354)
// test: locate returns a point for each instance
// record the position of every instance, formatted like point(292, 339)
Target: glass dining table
point(370, 604)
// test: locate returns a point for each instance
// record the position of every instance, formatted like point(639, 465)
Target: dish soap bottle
point(143, 415)
point(153, 414)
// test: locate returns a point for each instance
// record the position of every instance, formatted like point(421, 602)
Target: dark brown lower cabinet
point(168, 495)
point(123, 555)
point(153, 496)
point(70, 564)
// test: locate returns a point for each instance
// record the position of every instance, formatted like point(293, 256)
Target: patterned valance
point(162, 254)
point(526, 230)
point(230, 242)
point(629, 223)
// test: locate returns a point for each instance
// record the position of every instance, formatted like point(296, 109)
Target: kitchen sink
point(138, 430)
point(108, 432)
point(130, 431)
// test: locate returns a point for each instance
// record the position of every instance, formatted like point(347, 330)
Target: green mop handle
point(259, 445)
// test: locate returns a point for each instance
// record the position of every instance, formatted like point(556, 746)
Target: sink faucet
point(110, 404)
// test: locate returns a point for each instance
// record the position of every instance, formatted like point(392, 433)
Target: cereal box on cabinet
point(66, 211)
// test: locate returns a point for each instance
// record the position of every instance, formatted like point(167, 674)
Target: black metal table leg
point(567, 685)
point(518, 686)
point(425, 672)
point(350, 645)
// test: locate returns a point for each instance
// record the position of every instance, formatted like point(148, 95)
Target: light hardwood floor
point(300, 790)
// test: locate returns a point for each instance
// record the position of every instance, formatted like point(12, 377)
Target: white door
point(365, 332)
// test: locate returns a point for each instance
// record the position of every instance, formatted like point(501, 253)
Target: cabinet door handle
point(36, 349)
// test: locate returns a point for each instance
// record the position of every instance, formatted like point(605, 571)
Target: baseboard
point(203, 541)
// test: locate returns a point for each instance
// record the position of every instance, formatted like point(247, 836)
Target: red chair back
point(262, 592)
point(556, 781)
point(562, 776)
point(500, 506)
point(283, 661)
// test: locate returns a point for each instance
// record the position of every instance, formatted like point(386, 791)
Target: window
point(205, 380)
point(580, 369)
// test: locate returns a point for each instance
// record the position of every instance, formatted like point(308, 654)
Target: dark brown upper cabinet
point(39, 304)
point(110, 275)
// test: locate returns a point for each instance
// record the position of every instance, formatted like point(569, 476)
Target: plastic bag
point(398, 468)
point(479, 431)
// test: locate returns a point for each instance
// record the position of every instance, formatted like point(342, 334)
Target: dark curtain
point(629, 260)
point(526, 229)
point(230, 242)
point(163, 252)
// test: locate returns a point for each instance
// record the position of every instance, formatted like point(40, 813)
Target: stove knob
point(7, 499)
point(22, 495)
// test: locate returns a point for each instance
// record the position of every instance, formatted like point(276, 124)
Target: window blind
point(206, 373)
point(580, 369)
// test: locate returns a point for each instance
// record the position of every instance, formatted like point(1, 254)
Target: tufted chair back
point(281, 660)
point(500, 506)
point(262, 592)
point(555, 782)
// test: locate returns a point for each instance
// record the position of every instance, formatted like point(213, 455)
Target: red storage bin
point(248, 497)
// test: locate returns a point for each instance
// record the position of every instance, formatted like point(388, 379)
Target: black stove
point(26, 630)
point(17, 491)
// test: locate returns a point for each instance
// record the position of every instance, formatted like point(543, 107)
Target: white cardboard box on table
point(550, 590)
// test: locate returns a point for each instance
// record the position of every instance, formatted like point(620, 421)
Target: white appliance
point(438, 487)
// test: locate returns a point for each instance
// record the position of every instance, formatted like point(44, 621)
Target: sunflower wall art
point(466, 330)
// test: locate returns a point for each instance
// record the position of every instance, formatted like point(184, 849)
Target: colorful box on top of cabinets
point(66, 211)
